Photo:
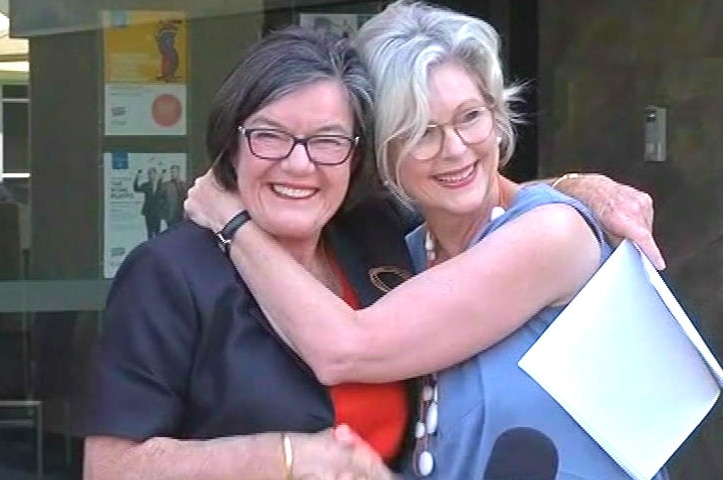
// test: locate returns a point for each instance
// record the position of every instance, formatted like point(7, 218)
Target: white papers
point(625, 362)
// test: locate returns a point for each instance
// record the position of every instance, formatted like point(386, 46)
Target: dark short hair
point(280, 63)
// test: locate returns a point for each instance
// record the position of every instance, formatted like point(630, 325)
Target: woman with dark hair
point(190, 380)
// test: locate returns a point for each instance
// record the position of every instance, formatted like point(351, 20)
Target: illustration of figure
point(173, 193)
point(151, 208)
point(166, 33)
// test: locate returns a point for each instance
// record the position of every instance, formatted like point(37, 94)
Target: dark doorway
point(523, 42)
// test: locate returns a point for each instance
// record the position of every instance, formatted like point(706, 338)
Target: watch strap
point(225, 235)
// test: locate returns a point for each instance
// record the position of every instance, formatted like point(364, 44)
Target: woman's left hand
point(209, 205)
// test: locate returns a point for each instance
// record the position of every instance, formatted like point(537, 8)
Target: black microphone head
point(522, 453)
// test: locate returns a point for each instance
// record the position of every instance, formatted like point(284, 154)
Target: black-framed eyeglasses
point(473, 125)
point(275, 144)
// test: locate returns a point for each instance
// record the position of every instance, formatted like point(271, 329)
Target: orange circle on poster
point(166, 110)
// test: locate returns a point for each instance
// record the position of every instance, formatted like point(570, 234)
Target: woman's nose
point(298, 160)
point(452, 143)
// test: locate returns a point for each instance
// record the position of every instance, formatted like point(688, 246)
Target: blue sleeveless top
point(488, 394)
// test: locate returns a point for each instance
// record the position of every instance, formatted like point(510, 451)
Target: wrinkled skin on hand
point(209, 205)
point(623, 211)
point(330, 456)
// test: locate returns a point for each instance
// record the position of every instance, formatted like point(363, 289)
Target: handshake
point(333, 454)
point(519, 453)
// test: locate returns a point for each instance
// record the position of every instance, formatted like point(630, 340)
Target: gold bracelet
point(562, 178)
point(288, 456)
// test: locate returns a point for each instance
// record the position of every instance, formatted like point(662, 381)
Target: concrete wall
point(601, 62)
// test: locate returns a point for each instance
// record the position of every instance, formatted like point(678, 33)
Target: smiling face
point(458, 179)
point(294, 198)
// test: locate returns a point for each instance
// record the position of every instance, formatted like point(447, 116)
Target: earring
point(499, 140)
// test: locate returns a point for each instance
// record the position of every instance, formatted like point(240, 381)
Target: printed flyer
point(144, 194)
point(146, 72)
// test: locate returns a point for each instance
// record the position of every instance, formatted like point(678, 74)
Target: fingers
point(619, 226)
point(364, 462)
point(346, 436)
point(350, 476)
point(625, 212)
point(209, 205)
point(209, 180)
point(638, 205)
point(635, 216)
point(644, 240)
point(322, 457)
point(367, 461)
point(363, 452)
point(646, 204)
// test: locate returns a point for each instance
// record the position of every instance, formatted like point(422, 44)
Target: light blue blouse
point(488, 394)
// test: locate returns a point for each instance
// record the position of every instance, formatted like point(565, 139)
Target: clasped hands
point(335, 454)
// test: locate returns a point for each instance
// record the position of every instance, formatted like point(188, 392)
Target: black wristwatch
point(225, 235)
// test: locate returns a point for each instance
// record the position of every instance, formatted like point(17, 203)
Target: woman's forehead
point(324, 104)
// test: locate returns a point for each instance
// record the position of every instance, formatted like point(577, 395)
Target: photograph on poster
point(144, 194)
point(345, 24)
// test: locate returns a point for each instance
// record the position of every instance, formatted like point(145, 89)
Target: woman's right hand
point(322, 456)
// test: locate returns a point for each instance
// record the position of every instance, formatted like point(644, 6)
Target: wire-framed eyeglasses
point(275, 144)
point(472, 125)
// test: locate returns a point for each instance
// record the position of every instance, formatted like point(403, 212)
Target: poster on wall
point(344, 24)
point(144, 195)
point(145, 65)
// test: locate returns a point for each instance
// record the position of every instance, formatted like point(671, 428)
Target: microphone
point(522, 453)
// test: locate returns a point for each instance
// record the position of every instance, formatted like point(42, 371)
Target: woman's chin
point(293, 229)
point(458, 205)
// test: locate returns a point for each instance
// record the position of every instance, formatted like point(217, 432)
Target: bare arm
point(137, 183)
point(251, 457)
point(432, 321)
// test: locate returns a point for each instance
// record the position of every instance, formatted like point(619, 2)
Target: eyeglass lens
point(277, 145)
point(472, 126)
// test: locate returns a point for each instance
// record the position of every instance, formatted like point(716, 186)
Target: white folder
point(624, 360)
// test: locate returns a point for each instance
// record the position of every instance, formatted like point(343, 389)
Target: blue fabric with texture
point(488, 394)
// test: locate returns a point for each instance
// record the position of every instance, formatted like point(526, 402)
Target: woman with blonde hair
point(496, 261)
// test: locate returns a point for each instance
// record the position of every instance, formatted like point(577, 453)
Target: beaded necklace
point(428, 420)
